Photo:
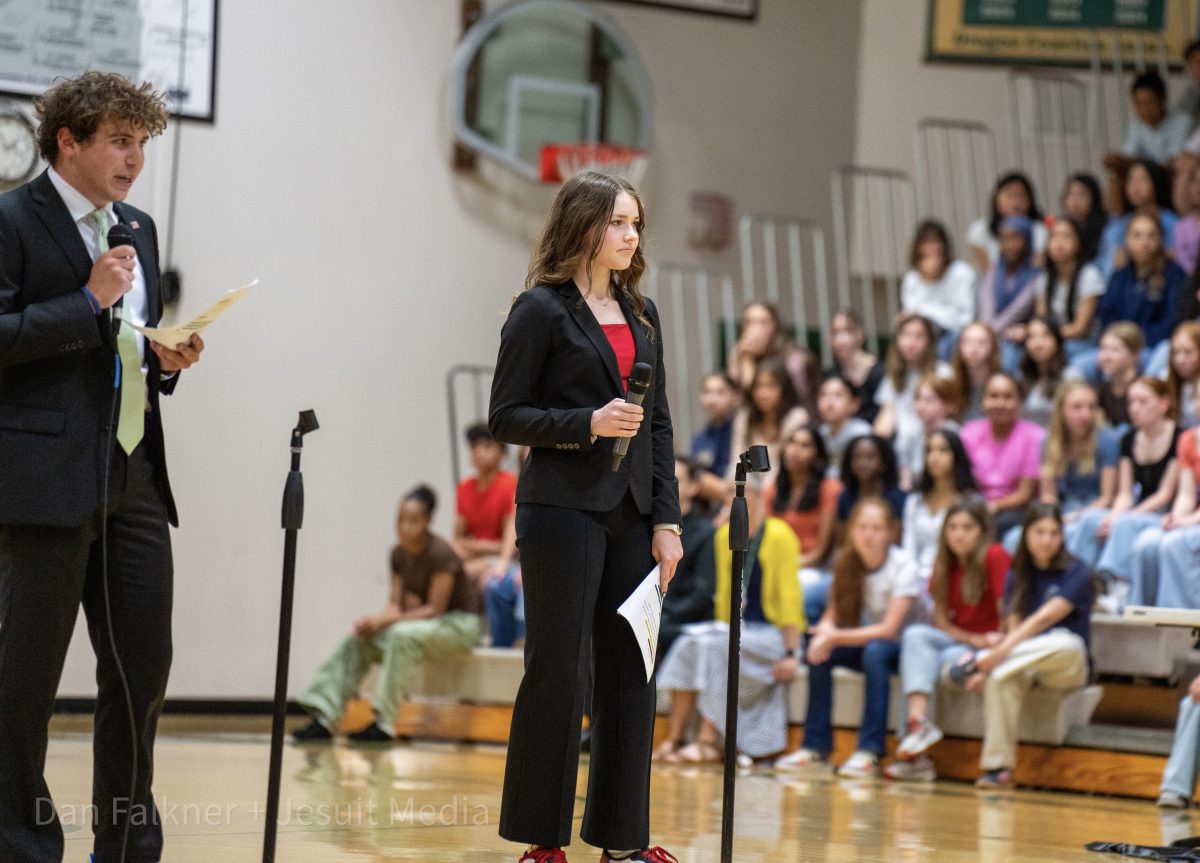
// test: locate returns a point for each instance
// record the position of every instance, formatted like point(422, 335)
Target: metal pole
point(739, 542)
point(293, 520)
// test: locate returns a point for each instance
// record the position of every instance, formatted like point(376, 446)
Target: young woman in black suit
point(587, 535)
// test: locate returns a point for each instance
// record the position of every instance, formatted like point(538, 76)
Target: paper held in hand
point(172, 337)
point(643, 610)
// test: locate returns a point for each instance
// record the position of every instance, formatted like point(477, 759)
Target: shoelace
point(656, 855)
point(544, 855)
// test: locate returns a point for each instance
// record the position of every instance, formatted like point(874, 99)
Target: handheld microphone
point(639, 383)
point(118, 235)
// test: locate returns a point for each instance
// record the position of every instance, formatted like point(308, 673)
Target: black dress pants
point(46, 573)
point(577, 568)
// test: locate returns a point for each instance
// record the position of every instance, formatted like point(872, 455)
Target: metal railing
point(874, 218)
point(1049, 127)
point(956, 169)
point(479, 379)
point(785, 251)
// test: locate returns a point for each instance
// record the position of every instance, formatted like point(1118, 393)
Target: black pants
point(45, 574)
point(577, 568)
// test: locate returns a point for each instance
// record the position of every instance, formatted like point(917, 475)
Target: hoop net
point(559, 162)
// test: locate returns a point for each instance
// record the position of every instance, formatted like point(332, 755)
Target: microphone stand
point(293, 518)
point(739, 542)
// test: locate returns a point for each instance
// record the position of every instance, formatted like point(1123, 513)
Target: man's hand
point(184, 356)
point(112, 275)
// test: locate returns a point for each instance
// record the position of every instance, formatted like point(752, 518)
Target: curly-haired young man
point(84, 497)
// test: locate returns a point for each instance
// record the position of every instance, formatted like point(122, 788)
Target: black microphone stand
point(293, 518)
point(753, 460)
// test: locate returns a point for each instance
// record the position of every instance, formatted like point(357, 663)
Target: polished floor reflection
point(440, 802)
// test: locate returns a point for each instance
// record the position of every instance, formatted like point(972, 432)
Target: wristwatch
point(676, 529)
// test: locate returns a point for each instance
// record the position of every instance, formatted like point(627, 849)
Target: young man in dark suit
point(84, 497)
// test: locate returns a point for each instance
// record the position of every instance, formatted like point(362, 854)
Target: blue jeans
point(1179, 776)
point(816, 597)
point(505, 602)
point(1117, 557)
point(1168, 568)
point(925, 650)
point(877, 660)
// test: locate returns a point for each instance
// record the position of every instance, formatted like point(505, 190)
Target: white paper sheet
point(171, 337)
point(643, 610)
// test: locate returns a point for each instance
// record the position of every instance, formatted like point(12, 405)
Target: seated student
point(485, 504)
point(1147, 476)
point(875, 586)
point(1179, 776)
point(1005, 451)
point(1147, 291)
point(1083, 202)
point(936, 405)
point(1185, 243)
point(1012, 196)
point(837, 406)
point(690, 598)
point(1071, 288)
point(1047, 631)
point(763, 339)
point(712, 445)
point(911, 356)
point(938, 287)
point(1008, 290)
point(1146, 191)
point(1120, 347)
point(769, 413)
point(1183, 372)
point(433, 611)
point(967, 586)
point(976, 358)
point(1079, 456)
point(851, 360)
point(806, 497)
point(1153, 131)
point(1043, 368)
point(1165, 556)
point(870, 471)
point(945, 478)
point(694, 670)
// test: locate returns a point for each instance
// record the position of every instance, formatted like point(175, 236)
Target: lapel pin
point(134, 225)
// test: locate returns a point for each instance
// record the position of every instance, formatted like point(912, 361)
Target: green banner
point(1079, 14)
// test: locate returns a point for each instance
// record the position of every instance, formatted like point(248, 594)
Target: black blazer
point(556, 367)
point(57, 363)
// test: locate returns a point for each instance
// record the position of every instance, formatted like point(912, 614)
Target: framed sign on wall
point(172, 43)
point(744, 9)
point(1057, 32)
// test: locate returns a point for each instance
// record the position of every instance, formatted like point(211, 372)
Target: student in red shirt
point(967, 587)
point(486, 504)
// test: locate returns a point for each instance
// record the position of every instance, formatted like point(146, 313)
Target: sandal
point(666, 749)
point(698, 752)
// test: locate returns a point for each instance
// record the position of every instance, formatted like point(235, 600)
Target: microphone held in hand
point(119, 235)
point(639, 383)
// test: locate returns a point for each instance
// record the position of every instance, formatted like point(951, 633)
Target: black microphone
point(118, 235)
point(639, 382)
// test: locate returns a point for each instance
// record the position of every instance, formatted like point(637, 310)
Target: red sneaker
point(646, 855)
point(544, 855)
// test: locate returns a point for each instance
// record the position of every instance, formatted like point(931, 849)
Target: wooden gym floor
point(440, 802)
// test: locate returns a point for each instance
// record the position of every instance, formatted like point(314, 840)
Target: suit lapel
point(591, 327)
point(643, 349)
point(144, 245)
point(62, 228)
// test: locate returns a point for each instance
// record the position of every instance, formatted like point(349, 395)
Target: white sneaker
point(920, 737)
point(1168, 800)
point(800, 759)
point(860, 765)
point(918, 770)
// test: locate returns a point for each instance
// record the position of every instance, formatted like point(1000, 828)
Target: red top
point(485, 510)
point(621, 339)
point(985, 615)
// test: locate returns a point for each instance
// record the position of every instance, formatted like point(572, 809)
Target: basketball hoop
point(562, 161)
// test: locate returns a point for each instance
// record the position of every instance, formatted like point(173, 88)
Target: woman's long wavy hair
point(574, 232)
point(849, 571)
point(974, 578)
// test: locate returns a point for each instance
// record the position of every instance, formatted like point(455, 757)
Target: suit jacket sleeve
point(515, 416)
point(43, 329)
point(664, 489)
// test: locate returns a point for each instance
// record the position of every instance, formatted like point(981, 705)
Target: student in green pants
point(433, 611)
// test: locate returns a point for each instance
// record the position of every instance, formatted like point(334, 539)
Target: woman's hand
point(784, 670)
point(988, 662)
point(1105, 526)
point(618, 418)
point(365, 628)
point(820, 648)
point(667, 550)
